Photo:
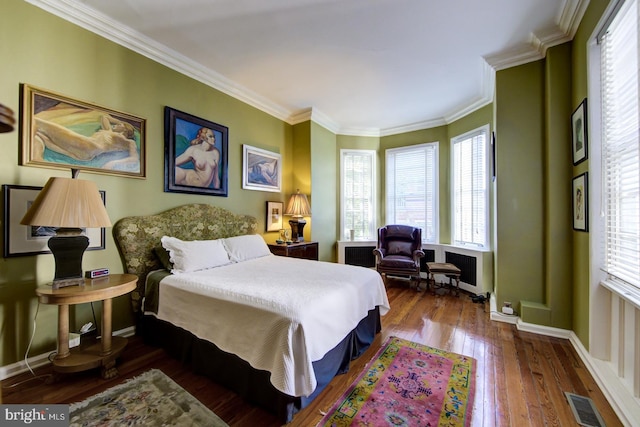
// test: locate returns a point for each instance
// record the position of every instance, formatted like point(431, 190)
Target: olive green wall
point(324, 183)
point(557, 206)
point(530, 115)
point(45, 51)
point(580, 242)
point(519, 249)
point(533, 181)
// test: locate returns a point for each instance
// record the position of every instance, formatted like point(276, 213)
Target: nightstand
point(304, 250)
point(97, 353)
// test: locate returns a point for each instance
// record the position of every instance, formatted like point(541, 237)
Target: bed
point(273, 329)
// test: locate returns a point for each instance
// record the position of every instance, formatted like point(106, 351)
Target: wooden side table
point(304, 250)
point(101, 352)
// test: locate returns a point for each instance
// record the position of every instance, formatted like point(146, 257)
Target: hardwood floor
point(521, 377)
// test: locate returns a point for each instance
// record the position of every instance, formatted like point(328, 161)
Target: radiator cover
point(360, 255)
point(465, 263)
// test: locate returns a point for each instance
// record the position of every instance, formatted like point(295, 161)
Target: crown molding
point(77, 13)
point(98, 23)
point(567, 22)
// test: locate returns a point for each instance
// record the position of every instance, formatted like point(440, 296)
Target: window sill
point(625, 291)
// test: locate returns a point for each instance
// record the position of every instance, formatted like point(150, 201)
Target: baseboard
point(626, 407)
point(42, 359)
point(617, 394)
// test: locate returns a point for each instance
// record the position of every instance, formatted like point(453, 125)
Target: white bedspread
point(279, 314)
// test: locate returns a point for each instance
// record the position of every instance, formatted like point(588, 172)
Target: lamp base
point(67, 251)
point(297, 229)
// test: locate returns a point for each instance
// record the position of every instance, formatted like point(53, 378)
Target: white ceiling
point(359, 67)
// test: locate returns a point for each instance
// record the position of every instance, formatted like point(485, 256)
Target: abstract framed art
point(60, 132)
point(24, 240)
point(580, 197)
point(196, 153)
point(579, 134)
point(261, 169)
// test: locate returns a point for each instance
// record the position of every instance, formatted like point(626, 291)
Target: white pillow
point(243, 248)
point(194, 255)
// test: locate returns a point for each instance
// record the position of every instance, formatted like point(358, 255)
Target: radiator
point(467, 264)
point(360, 255)
point(429, 256)
point(476, 266)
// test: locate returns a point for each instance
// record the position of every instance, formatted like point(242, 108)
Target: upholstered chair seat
point(398, 252)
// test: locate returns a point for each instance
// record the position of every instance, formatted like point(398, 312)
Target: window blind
point(470, 188)
point(411, 188)
point(358, 192)
point(621, 145)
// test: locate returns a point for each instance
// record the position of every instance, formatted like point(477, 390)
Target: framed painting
point(274, 216)
point(580, 196)
point(24, 240)
point(60, 132)
point(579, 133)
point(261, 169)
point(195, 155)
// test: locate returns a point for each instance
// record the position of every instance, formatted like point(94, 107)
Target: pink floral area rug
point(408, 384)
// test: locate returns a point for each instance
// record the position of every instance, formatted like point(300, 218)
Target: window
point(470, 189)
point(412, 188)
point(358, 189)
point(620, 145)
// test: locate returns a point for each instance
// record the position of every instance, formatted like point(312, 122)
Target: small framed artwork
point(261, 169)
point(24, 240)
point(580, 196)
point(579, 137)
point(195, 155)
point(60, 132)
point(274, 216)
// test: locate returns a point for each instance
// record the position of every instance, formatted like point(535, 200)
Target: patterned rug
point(150, 399)
point(408, 384)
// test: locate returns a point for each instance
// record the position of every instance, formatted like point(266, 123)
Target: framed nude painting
point(196, 152)
point(61, 132)
point(580, 197)
point(261, 169)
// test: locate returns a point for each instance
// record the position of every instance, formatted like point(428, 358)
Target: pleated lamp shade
point(68, 203)
point(7, 120)
point(298, 205)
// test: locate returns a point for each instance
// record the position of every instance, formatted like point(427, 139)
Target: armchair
point(398, 252)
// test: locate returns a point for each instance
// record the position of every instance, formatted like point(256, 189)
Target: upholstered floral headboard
point(137, 236)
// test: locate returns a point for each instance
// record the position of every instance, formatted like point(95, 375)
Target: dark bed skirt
point(252, 384)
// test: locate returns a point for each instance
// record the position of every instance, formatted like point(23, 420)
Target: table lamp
point(7, 121)
point(68, 204)
point(298, 207)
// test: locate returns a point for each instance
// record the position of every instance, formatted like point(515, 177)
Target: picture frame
point(580, 202)
point(579, 133)
point(261, 169)
point(275, 211)
point(63, 133)
point(493, 156)
point(24, 240)
point(187, 140)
